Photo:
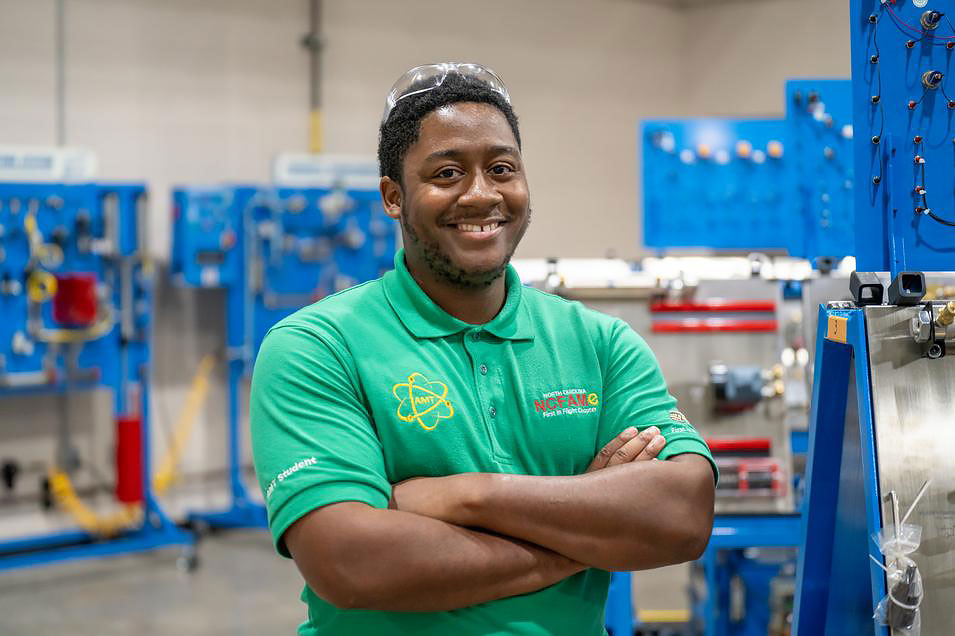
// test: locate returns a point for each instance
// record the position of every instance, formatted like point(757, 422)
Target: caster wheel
point(188, 561)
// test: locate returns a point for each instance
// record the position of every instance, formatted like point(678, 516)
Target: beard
point(443, 268)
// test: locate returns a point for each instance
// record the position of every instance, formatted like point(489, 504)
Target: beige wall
point(737, 55)
point(179, 91)
point(167, 91)
point(580, 75)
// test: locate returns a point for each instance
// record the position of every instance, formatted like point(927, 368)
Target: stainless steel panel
point(914, 409)
point(835, 287)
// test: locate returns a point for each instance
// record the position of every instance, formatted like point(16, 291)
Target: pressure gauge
point(920, 3)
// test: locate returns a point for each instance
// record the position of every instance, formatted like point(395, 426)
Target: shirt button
point(475, 336)
point(492, 411)
point(483, 369)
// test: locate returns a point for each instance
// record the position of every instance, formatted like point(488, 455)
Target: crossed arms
point(450, 542)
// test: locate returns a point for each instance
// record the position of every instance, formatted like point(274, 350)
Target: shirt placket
point(478, 349)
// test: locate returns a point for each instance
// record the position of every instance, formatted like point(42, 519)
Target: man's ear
point(390, 197)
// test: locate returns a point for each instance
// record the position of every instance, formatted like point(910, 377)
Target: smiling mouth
point(471, 228)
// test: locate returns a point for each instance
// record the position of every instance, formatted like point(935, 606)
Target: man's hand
point(629, 446)
point(448, 498)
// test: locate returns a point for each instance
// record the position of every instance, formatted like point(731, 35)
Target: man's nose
point(481, 192)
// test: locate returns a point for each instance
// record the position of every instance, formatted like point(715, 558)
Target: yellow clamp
point(41, 286)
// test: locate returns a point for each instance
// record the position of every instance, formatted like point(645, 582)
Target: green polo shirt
point(377, 384)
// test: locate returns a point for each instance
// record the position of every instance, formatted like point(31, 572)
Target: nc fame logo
point(423, 401)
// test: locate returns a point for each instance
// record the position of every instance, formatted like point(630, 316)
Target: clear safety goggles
point(428, 77)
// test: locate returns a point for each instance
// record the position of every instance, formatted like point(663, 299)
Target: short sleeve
point(312, 438)
point(635, 394)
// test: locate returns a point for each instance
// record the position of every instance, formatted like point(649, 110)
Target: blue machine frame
point(904, 158)
point(731, 535)
point(838, 595)
point(97, 230)
point(715, 183)
point(274, 250)
point(821, 167)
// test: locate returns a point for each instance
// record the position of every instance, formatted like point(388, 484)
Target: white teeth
point(464, 227)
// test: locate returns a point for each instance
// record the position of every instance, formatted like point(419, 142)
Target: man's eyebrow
point(503, 150)
point(444, 154)
point(454, 152)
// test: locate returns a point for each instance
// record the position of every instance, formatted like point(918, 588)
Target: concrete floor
point(241, 587)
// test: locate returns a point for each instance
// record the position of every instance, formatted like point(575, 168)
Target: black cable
point(944, 94)
point(875, 36)
point(926, 209)
point(875, 43)
point(878, 72)
point(939, 219)
point(910, 30)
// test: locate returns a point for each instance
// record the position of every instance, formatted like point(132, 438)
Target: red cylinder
point(74, 303)
point(129, 459)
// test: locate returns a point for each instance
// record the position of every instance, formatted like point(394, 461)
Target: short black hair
point(400, 131)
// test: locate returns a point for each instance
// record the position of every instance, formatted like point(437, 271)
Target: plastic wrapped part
point(899, 609)
point(896, 543)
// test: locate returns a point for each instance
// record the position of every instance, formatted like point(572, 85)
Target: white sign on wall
point(46, 163)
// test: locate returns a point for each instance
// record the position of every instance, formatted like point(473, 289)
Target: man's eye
point(502, 169)
point(447, 173)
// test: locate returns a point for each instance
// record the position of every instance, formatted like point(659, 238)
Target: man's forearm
point(397, 561)
point(634, 516)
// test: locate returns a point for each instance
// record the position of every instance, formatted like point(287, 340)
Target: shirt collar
point(423, 318)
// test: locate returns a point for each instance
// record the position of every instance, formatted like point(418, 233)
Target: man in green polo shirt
point(445, 452)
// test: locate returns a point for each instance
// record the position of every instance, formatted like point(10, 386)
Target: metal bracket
point(928, 332)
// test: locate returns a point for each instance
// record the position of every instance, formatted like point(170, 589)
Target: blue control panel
point(821, 167)
point(74, 287)
point(904, 116)
point(274, 250)
point(279, 248)
point(716, 183)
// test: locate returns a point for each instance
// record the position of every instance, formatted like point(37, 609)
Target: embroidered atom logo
point(423, 401)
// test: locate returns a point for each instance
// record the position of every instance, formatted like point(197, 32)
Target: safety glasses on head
point(422, 79)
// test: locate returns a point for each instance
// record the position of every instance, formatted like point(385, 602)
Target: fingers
point(653, 448)
point(600, 461)
point(646, 445)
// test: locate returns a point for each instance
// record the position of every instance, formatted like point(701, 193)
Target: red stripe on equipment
point(738, 444)
point(715, 305)
point(714, 325)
